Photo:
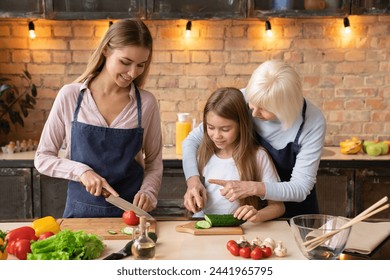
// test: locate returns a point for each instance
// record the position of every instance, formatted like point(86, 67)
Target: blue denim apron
point(110, 152)
point(284, 160)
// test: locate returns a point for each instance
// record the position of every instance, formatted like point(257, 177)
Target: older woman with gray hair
point(289, 126)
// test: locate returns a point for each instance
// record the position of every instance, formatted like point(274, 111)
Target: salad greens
point(67, 245)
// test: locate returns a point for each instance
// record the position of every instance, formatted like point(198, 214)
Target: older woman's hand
point(233, 190)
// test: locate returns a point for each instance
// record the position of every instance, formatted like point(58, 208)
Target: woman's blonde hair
point(276, 87)
point(229, 103)
point(123, 33)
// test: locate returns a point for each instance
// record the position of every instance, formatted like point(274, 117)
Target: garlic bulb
point(269, 242)
point(280, 250)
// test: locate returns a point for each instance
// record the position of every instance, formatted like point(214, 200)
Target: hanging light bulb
point(188, 28)
point(268, 29)
point(31, 30)
point(347, 26)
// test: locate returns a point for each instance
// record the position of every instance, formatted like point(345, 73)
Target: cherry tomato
point(130, 218)
point(245, 252)
point(233, 248)
point(45, 235)
point(230, 243)
point(267, 251)
point(22, 247)
point(257, 253)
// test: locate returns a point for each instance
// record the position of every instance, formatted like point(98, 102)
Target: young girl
point(228, 152)
point(111, 128)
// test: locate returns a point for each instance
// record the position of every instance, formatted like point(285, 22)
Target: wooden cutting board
point(101, 226)
point(190, 228)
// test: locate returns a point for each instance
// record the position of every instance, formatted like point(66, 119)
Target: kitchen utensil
point(362, 216)
point(124, 252)
point(190, 228)
point(325, 236)
point(124, 204)
point(309, 227)
point(107, 228)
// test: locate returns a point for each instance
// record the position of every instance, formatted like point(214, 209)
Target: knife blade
point(124, 204)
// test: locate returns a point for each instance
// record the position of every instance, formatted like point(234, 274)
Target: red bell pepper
point(20, 233)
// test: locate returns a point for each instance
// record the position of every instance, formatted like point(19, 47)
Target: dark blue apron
point(110, 152)
point(284, 160)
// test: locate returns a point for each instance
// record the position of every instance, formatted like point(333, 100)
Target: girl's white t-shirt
point(225, 169)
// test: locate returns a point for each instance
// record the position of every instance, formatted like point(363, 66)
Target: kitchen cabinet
point(95, 9)
point(290, 8)
point(371, 185)
point(184, 9)
point(335, 191)
point(200, 9)
point(21, 9)
point(49, 195)
point(370, 7)
point(15, 193)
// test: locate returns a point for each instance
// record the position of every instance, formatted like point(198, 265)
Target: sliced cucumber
point(127, 230)
point(224, 220)
point(202, 224)
point(113, 232)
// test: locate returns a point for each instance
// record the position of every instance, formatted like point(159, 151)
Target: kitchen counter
point(330, 156)
point(173, 245)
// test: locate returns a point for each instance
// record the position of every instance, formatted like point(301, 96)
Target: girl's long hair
point(123, 33)
point(229, 103)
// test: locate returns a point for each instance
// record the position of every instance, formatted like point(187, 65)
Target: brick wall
point(348, 77)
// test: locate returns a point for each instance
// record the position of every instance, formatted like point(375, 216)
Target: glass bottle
point(143, 247)
point(183, 128)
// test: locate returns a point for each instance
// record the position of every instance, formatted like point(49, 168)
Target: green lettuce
point(67, 245)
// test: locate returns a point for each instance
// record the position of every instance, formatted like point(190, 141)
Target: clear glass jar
point(143, 247)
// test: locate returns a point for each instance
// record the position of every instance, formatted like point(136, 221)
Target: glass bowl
point(307, 227)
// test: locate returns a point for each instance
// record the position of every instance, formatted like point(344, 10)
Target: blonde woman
point(108, 122)
point(288, 126)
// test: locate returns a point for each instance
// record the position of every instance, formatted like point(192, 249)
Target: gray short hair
point(276, 87)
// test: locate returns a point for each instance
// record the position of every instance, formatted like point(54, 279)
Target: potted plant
point(15, 104)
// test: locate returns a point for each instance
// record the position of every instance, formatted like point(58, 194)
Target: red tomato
point(245, 252)
point(45, 235)
point(231, 243)
point(256, 253)
point(267, 251)
point(22, 247)
point(233, 248)
point(130, 218)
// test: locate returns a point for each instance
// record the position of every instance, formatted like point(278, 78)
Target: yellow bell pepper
point(351, 146)
point(3, 245)
point(45, 224)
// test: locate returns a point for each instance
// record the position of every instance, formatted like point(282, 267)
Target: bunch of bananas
point(351, 146)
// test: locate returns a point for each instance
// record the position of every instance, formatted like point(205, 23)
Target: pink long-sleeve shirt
point(57, 133)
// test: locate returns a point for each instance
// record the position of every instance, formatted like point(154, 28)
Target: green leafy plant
point(14, 104)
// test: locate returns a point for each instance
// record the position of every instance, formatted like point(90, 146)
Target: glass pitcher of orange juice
point(183, 128)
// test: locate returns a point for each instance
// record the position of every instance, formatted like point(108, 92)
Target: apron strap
point(303, 122)
point(78, 105)
point(139, 106)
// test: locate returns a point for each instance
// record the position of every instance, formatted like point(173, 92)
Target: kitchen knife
point(124, 204)
point(123, 253)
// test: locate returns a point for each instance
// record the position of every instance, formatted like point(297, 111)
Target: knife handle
point(105, 193)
